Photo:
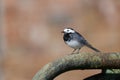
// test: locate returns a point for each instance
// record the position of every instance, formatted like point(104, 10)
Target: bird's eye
point(67, 30)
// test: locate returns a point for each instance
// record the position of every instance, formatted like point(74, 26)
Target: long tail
point(90, 46)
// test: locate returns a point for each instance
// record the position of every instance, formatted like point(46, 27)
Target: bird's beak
point(62, 32)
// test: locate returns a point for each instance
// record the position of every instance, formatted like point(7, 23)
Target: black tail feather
point(90, 46)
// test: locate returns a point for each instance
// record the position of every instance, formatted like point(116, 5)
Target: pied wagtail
point(75, 40)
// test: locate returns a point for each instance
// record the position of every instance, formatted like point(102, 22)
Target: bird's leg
point(73, 51)
point(78, 50)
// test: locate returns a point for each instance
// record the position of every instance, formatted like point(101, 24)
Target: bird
point(75, 40)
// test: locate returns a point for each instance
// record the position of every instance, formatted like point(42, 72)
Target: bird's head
point(68, 30)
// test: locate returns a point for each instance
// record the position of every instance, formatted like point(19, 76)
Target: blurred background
point(30, 33)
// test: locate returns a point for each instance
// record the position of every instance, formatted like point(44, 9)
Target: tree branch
point(79, 61)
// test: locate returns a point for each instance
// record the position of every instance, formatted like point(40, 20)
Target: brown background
point(31, 33)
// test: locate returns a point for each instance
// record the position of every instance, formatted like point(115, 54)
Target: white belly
point(74, 44)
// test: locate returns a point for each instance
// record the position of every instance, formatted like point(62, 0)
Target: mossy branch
point(79, 61)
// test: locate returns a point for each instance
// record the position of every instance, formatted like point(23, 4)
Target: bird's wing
point(80, 38)
point(83, 41)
